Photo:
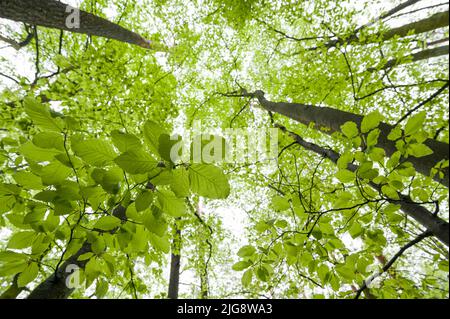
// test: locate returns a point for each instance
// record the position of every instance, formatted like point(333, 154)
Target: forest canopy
point(224, 149)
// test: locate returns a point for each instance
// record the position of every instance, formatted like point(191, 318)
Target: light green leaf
point(94, 151)
point(125, 141)
point(54, 173)
point(28, 180)
point(143, 200)
point(170, 204)
point(415, 123)
point(156, 225)
point(280, 203)
point(28, 275)
point(49, 140)
point(208, 181)
point(160, 243)
point(246, 251)
point(41, 116)
point(390, 192)
point(419, 150)
point(345, 176)
point(350, 129)
point(107, 223)
point(152, 132)
point(136, 162)
point(21, 240)
point(241, 265)
point(371, 121)
point(32, 152)
point(246, 279)
point(180, 182)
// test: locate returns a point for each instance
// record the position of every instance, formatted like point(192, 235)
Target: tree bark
point(54, 287)
point(52, 14)
point(329, 120)
point(175, 259)
point(418, 56)
point(436, 21)
point(437, 226)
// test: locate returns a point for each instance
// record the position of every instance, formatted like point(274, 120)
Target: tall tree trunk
point(330, 120)
point(436, 21)
point(418, 56)
point(53, 14)
point(175, 260)
point(54, 287)
point(437, 226)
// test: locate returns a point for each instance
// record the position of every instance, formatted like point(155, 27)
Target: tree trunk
point(330, 120)
point(54, 287)
point(436, 21)
point(52, 14)
point(175, 259)
point(437, 226)
point(421, 55)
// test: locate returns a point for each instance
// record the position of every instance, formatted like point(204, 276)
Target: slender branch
point(389, 264)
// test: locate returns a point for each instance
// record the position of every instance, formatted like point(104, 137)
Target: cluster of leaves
point(66, 187)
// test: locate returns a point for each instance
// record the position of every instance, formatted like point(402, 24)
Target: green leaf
point(344, 160)
point(109, 179)
point(101, 288)
point(395, 134)
point(247, 277)
point(419, 150)
point(415, 123)
point(280, 203)
point(21, 240)
point(152, 132)
point(377, 154)
point(371, 121)
point(208, 181)
point(107, 223)
point(125, 141)
point(170, 204)
point(350, 129)
point(41, 116)
point(355, 230)
point(241, 265)
point(160, 243)
point(54, 173)
point(85, 256)
point(390, 192)
point(165, 145)
point(262, 274)
point(28, 180)
point(345, 176)
point(156, 225)
point(32, 152)
point(180, 182)
point(372, 137)
point(49, 140)
point(143, 200)
point(246, 251)
point(136, 161)
point(94, 151)
point(28, 275)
